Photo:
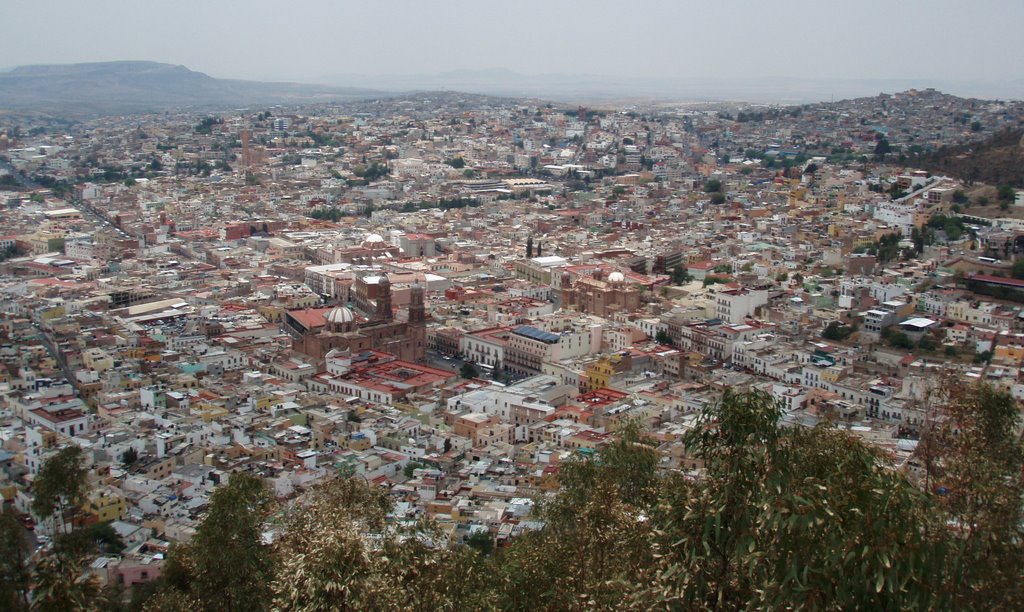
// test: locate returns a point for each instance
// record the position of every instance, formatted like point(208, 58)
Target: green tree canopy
point(226, 566)
point(15, 574)
point(974, 459)
point(1006, 193)
point(788, 518)
point(836, 331)
point(747, 514)
point(680, 275)
point(60, 486)
point(355, 560)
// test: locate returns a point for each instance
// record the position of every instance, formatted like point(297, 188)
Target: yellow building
point(274, 314)
point(832, 374)
point(1011, 353)
point(600, 373)
point(264, 403)
point(209, 412)
point(44, 242)
point(53, 312)
point(106, 505)
point(97, 359)
point(359, 443)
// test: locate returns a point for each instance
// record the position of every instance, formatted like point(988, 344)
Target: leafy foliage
point(837, 331)
point(443, 204)
point(226, 566)
point(60, 584)
point(975, 458)
point(680, 275)
point(130, 456)
point(372, 172)
point(354, 560)
point(60, 486)
point(207, 124)
point(14, 562)
point(775, 518)
point(786, 518)
point(953, 226)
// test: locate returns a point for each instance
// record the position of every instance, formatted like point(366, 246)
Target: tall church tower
point(416, 330)
point(417, 308)
point(383, 312)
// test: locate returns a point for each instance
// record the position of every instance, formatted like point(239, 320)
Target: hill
point(128, 87)
point(998, 160)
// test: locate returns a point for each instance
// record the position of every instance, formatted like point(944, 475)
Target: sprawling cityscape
point(439, 316)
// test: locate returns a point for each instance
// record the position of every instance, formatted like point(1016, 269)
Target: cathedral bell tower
point(383, 311)
point(417, 308)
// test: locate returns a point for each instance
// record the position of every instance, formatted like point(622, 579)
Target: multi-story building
point(738, 305)
point(529, 347)
point(486, 346)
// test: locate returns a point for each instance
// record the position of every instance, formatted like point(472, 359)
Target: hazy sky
point(306, 40)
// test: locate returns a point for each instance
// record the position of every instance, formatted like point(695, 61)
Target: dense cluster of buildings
point(448, 295)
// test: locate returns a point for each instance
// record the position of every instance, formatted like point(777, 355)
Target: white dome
point(339, 315)
point(374, 238)
point(616, 277)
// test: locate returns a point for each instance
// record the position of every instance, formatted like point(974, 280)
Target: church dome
point(339, 315)
point(616, 277)
point(374, 242)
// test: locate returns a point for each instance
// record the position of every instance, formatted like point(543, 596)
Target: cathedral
point(377, 330)
point(600, 296)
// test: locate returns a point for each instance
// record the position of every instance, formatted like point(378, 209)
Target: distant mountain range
point(104, 88)
point(583, 88)
point(129, 87)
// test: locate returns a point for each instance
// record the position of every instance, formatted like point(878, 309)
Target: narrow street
point(44, 337)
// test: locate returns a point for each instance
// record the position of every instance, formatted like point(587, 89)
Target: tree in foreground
point(338, 552)
point(789, 518)
point(60, 580)
point(15, 574)
point(60, 487)
point(226, 566)
point(778, 518)
point(595, 547)
point(60, 584)
point(974, 459)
